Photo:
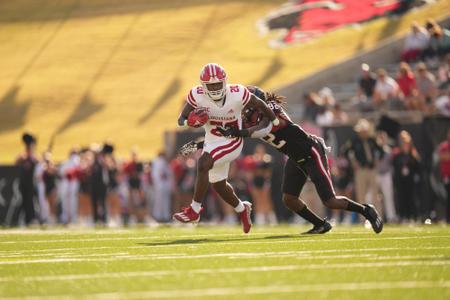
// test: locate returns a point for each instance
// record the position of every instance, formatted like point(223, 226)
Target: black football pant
point(27, 192)
point(316, 168)
point(99, 204)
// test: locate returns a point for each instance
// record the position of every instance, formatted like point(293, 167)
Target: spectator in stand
point(50, 176)
point(444, 160)
point(184, 170)
point(407, 84)
point(444, 73)
point(149, 190)
point(415, 43)
point(137, 204)
point(84, 191)
point(366, 88)
point(46, 184)
point(426, 85)
point(99, 186)
point(312, 103)
point(163, 184)
point(406, 165)
point(439, 44)
point(363, 152)
point(261, 187)
point(443, 104)
point(324, 116)
point(112, 199)
point(386, 90)
point(384, 177)
point(340, 117)
point(342, 173)
point(69, 186)
point(27, 163)
point(327, 97)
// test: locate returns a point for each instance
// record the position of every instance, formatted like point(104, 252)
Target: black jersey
point(288, 137)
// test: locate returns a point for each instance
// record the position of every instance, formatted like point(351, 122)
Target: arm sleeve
point(245, 96)
point(191, 100)
point(262, 132)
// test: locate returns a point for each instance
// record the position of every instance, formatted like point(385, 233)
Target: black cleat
point(320, 229)
point(374, 218)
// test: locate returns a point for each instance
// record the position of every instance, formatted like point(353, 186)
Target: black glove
point(232, 132)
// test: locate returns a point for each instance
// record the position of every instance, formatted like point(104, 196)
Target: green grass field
point(222, 263)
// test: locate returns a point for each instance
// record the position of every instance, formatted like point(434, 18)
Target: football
point(250, 117)
point(198, 117)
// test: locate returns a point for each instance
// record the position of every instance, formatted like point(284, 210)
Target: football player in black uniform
point(307, 158)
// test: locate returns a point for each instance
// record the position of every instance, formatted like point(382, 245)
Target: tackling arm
point(260, 105)
point(261, 129)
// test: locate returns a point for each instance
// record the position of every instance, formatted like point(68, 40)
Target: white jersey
point(228, 115)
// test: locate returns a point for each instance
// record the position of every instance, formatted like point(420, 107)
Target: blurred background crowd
point(92, 186)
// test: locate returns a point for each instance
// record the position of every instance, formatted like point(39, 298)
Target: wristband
point(276, 122)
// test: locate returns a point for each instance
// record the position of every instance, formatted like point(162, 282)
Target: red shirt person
point(444, 161)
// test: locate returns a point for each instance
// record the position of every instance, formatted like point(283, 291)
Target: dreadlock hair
point(274, 97)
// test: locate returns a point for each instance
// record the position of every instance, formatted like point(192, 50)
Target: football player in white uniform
point(217, 105)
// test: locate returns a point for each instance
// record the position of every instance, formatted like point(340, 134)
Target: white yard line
point(211, 271)
point(56, 258)
point(196, 242)
point(301, 241)
point(274, 289)
point(255, 290)
point(183, 255)
point(74, 237)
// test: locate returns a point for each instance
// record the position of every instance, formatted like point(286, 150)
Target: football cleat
point(373, 217)
point(320, 229)
point(245, 217)
point(187, 215)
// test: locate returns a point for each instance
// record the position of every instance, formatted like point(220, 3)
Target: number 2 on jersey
point(270, 138)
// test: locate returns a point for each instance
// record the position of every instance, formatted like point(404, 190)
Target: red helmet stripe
point(210, 70)
point(215, 70)
point(191, 99)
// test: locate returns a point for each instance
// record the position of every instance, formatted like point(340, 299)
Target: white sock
point(240, 207)
point(196, 206)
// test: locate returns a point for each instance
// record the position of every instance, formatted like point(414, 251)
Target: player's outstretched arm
point(182, 119)
point(260, 130)
point(260, 105)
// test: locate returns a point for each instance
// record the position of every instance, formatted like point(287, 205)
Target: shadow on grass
point(208, 241)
